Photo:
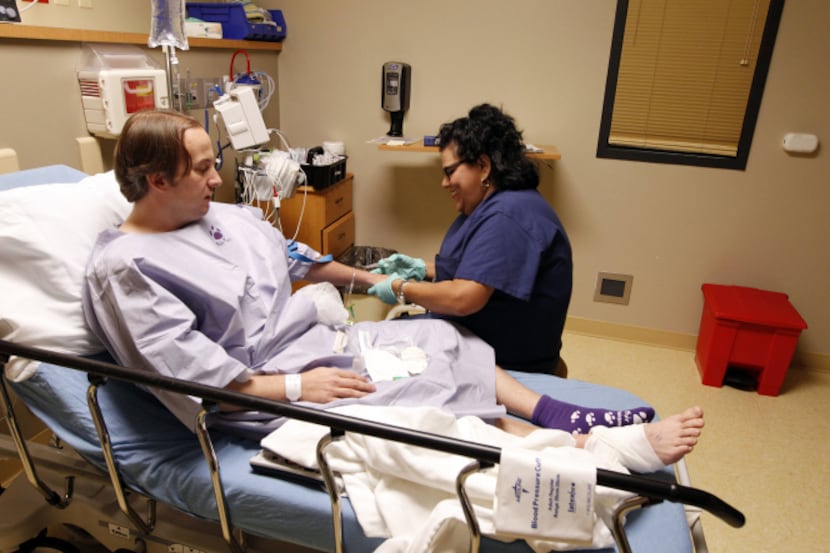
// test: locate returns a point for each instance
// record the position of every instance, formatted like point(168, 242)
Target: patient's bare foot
point(675, 436)
point(648, 447)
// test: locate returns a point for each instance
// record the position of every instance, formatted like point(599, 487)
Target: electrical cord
point(267, 88)
point(29, 7)
point(260, 79)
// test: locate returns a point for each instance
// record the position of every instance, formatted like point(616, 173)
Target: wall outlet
point(195, 98)
point(188, 94)
point(613, 288)
point(200, 93)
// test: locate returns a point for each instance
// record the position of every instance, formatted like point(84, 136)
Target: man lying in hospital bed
point(480, 374)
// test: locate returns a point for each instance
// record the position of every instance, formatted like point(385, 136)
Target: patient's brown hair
point(151, 142)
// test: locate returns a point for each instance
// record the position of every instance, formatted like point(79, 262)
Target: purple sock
point(552, 413)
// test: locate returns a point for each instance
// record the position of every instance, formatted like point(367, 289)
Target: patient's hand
point(325, 384)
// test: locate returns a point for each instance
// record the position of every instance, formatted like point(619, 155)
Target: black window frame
point(738, 162)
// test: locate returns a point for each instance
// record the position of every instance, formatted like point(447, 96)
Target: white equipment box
point(242, 118)
point(110, 96)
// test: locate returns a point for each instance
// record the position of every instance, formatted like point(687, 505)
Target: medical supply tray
point(323, 176)
point(235, 24)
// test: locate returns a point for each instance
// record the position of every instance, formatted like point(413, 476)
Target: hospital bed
point(123, 472)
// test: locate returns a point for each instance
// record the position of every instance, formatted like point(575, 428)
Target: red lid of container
point(752, 305)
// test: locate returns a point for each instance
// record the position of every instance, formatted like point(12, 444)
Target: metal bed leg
point(236, 546)
point(681, 471)
point(144, 527)
point(51, 496)
point(619, 514)
point(331, 486)
point(466, 505)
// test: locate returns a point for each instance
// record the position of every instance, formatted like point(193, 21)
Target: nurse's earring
point(485, 184)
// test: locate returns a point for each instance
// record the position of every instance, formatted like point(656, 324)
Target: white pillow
point(46, 235)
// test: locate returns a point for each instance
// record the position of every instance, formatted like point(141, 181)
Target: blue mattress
point(48, 174)
point(161, 458)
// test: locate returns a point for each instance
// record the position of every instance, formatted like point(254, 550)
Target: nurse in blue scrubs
point(504, 269)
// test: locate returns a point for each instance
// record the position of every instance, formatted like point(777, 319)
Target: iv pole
point(167, 31)
point(171, 62)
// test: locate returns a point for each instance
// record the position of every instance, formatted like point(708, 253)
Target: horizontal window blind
point(685, 74)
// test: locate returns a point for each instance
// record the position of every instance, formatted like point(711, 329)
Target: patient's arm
point(341, 275)
point(319, 385)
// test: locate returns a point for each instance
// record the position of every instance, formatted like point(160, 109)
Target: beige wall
point(545, 61)
point(132, 16)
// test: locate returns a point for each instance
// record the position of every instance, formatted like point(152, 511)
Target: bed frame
point(648, 490)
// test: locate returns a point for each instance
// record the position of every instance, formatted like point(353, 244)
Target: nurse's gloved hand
point(409, 268)
point(383, 289)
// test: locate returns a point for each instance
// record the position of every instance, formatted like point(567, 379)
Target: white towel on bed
point(407, 493)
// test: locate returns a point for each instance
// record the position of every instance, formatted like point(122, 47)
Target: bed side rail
point(644, 486)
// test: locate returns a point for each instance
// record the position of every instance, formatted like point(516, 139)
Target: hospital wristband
point(293, 387)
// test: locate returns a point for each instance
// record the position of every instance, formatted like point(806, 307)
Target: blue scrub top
point(514, 242)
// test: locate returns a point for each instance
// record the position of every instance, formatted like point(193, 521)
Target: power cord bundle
point(266, 177)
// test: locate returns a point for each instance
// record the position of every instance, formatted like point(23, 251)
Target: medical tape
point(293, 253)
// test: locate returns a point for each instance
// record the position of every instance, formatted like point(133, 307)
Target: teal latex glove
point(409, 268)
point(383, 290)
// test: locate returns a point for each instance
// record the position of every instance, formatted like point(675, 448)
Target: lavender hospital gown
point(211, 303)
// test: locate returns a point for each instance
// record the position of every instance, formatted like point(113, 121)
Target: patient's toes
point(692, 413)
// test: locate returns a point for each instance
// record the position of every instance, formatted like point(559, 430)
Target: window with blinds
point(685, 80)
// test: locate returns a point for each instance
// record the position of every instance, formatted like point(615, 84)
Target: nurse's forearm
point(449, 297)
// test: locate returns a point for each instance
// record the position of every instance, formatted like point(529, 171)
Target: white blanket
point(407, 493)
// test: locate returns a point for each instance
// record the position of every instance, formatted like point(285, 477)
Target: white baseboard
point(676, 340)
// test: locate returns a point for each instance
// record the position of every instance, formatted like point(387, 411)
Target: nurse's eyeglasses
point(450, 169)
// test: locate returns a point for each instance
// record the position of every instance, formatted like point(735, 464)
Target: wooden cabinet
point(326, 222)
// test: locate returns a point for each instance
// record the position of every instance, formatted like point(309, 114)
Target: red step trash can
point(748, 328)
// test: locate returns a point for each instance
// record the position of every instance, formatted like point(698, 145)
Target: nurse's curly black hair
point(487, 130)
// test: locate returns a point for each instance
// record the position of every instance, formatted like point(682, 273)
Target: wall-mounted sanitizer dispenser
point(395, 87)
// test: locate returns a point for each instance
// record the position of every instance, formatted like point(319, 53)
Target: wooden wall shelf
point(33, 32)
point(548, 152)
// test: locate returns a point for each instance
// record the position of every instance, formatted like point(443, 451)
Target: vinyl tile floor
point(766, 456)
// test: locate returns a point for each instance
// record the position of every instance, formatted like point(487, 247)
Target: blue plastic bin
point(235, 24)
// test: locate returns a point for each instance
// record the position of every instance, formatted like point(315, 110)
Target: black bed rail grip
point(641, 485)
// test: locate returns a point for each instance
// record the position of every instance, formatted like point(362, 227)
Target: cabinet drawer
point(322, 208)
point(339, 236)
point(337, 200)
